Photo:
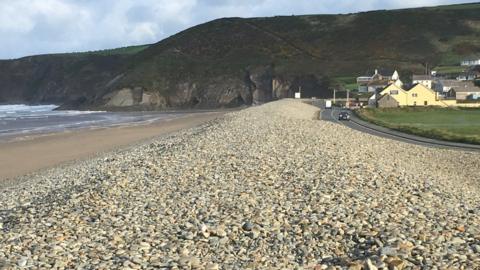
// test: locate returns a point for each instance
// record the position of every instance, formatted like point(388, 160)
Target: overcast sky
point(44, 26)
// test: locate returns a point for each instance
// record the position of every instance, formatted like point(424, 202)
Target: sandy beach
point(29, 154)
point(267, 187)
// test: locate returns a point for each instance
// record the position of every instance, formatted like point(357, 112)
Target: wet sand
point(21, 157)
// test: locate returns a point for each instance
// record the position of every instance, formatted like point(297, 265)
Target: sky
point(29, 27)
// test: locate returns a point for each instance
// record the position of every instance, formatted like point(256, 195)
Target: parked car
point(344, 116)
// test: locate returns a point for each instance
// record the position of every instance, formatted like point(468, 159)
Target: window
point(425, 103)
point(393, 92)
point(414, 95)
point(414, 103)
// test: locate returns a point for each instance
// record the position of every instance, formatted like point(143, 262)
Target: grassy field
point(349, 83)
point(449, 69)
point(459, 125)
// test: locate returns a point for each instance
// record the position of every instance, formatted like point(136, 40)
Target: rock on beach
point(268, 187)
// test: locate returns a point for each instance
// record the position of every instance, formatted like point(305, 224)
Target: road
point(360, 125)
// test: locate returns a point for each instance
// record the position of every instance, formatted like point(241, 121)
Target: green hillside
point(129, 50)
point(234, 61)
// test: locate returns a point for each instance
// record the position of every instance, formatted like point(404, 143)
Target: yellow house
point(419, 95)
point(396, 93)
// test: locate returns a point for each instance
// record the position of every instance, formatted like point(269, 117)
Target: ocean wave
point(31, 108)
point(22, 111)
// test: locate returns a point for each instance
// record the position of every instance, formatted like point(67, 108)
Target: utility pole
point(348, 99)
point(334, 91)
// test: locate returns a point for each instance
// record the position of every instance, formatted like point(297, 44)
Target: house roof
point(422, 78)
point(419, 85)
point(394, 86)
point(374, 83)
point(395, 76)
point(452, 83)
point(379, 82)
point(468, 87)
point(460, 86)
point(377, 73)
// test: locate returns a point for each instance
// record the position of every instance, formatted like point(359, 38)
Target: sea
point(20, 120)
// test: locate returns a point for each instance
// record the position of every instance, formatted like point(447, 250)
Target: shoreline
point(26, 155)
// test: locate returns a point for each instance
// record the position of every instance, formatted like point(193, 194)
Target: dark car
point(344, 116)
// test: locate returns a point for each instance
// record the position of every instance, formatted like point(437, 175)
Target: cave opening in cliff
point(194, 101)
point(238, 101)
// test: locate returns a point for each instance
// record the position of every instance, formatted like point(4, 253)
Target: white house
point(470, 62)
point(398, 83)
point(395, 76)
point(425, 80)
point(372, 101)
point(377, 81)
point(466, 77)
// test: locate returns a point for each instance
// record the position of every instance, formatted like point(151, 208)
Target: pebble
point(369, 265)
point(260, 188)
point(212, 266)
point(396, 264)
point(457, 241)
point(247, 226)
point(22, 262)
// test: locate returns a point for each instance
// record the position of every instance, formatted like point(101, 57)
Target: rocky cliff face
point(259, 85)
point(99, 82)
point(57, 79)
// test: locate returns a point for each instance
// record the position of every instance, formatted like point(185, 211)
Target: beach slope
point(269, 187)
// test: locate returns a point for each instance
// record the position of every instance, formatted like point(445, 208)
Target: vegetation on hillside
point(129, 50)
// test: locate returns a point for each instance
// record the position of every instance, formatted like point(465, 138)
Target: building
point(387, 101)
point(474, 62)
point(398, 93)
point(372, 100)
point(418, 95)
point(449, 85)
point(395, 76)
point(425, 80)
point(398, 83)
point(466, 77)
point(376, 81)
point(465, 91)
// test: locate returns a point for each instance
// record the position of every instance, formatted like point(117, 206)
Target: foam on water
point(20, 119)
point(22, 108)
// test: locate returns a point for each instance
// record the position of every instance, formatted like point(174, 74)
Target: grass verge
point(457, 125)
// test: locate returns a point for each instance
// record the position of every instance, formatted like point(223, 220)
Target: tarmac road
point(360, 125)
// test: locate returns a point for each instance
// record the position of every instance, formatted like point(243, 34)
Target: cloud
point(46, 26)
